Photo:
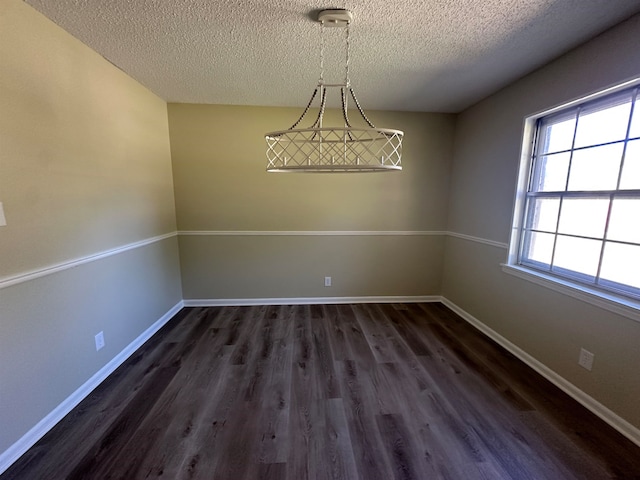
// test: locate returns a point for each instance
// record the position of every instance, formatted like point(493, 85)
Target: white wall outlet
point(585, 360)
point(99, 341)
point(3, 219)
point(327, 281)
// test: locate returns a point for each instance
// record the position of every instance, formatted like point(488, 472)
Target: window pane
point(631, 169)
point(577, 255)
point(543, 214)
point(603, 124)
point(551, 173)
point(624, 224)
point(538, 247)
point(595, 168)
point(584, 216)
point(557, 134)
point(621, 264)
point(580, 192)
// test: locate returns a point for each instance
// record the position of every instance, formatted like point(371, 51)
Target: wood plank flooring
point(374, 391)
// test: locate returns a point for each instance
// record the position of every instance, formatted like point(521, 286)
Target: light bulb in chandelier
point(344, 148)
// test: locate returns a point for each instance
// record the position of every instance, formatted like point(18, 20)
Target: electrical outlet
point(99, 341)
point(585, 360)
point(327, 281)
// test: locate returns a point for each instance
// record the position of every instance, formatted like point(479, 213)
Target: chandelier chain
point(321, 52)
point(355, 100)
point(345, 114)
point(315, 92)
point(323, 102)
point(343, 95)
point(348, 42)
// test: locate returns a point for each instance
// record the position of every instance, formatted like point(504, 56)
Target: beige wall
point(548, 325)
point(84, 168)
point(221, 185)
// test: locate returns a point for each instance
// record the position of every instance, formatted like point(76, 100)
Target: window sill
point(622, 306)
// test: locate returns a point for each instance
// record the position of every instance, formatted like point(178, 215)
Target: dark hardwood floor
point(368, 392)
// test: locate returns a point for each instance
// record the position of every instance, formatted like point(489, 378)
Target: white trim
point(214, 302)
point(329, 233)
point(59, 267)
point(520, 195)
point(29, 439)
point(310, 233)
point(484, 241)
point(616, 87)
point(617, 422)
point(622, 306)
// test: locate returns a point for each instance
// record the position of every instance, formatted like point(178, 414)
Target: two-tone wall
point(90, 161)
point(246, 234)
point(90, 244)
point(545, 325)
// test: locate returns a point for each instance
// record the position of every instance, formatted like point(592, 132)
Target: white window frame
point(608, 299)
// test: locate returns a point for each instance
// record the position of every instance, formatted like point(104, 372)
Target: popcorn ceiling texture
point(416, 55)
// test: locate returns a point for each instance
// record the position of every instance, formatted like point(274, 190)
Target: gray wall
point(85, 169)
point(548, 325)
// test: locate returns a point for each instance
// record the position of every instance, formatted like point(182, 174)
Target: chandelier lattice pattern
point(334, 149)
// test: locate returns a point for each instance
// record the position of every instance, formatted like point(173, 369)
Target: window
point(578, 217)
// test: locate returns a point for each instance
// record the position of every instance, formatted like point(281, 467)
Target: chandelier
point(342, 148)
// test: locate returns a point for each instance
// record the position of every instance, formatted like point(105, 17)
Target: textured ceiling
point(417, 55)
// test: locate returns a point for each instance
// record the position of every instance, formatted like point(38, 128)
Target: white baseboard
point(215, 302)
point(310, 233)
point(617, 422)
point(13, 453)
